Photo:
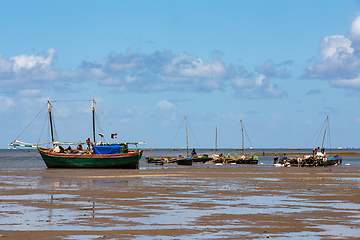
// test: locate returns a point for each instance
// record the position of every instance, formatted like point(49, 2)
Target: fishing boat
point(244, 159)
point(201, 158)
point(317, 158)
point(97, 154)
point(185, 161)
point(320, 156)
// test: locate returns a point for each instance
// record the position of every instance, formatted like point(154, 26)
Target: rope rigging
point(66, 123)
point(179, 130)
point(319, 133)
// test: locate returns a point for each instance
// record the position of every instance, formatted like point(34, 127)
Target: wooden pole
point(51, 123)
point(322, 144)
point(187, 143)
point(93, 119)
point(242, 137)
point(215, 139)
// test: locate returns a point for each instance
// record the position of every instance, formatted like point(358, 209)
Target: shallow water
point(208, 201)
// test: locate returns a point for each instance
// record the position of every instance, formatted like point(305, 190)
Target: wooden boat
point(160, 160)
point(185, 161)
point(202, 158)
point(252, 159)
point(248, 160)
point(317, 158)
point(102, 155)
point(336, 159)
point(128, 159)
point(188, 160)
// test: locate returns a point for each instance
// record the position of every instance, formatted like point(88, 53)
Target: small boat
point(248, 160)
point(252, 159)
point(336, 159)
point(160, 160)
point(102, 155)
point(318, 157)
point(201, 158)
point(185, 161)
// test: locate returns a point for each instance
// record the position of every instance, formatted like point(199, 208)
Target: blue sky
point(280, 66)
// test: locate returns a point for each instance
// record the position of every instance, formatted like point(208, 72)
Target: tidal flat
point(202, 201)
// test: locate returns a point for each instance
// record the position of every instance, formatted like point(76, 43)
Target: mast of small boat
point(215, 139)
point(187, 143)
point(93, 118)
point(51, 125)
point(242, 137)
point(322, 144)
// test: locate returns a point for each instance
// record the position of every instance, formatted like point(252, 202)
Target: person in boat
point(315, 150)
point(88, 143)
point(69, 150)
point(282, 158)
point(79, 147)
point(323, 150)
point(193, 152)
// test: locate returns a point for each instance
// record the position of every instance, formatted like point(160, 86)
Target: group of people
point(79, 147)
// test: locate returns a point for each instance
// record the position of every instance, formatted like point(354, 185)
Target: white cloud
point(347, 83)
point(354, 32)
point(259, 80)
point(163, 104)
point(6, 103)
point(27, 71)
point(138, 72)
point(336, 48)
point(269, 69)
point(340, 59)
point(32, 61)
point(189, 66)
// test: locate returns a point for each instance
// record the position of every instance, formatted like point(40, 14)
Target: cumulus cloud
point(166, 71)
point(340, 59)
point(139, 72)
point(27, 70)
point(269, 70)
point(250, 85)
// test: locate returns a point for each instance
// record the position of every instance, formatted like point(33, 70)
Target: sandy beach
point(202, 201)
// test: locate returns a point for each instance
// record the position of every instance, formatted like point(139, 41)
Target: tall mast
point(51, 125)
point(93, 119)
point(242, 137)
point(327, 119)
point(215, 139)
point(187, 143)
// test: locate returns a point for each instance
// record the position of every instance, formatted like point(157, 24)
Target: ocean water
point(30, 158)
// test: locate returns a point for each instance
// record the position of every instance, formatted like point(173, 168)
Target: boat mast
point(242, 137)
point(322, 144)
point(215, 139)
point(93, 119)
point(51, 125)
point(187, 143)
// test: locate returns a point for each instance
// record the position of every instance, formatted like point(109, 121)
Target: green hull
point(63, 160)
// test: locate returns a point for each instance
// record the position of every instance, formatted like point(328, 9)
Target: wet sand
point(202, 201)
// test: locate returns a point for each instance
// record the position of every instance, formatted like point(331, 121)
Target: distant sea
point(22, 159)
